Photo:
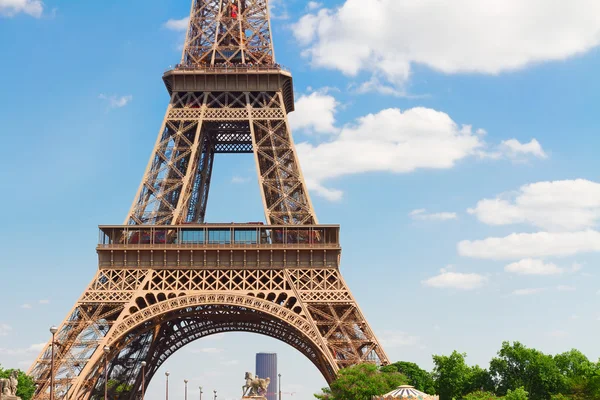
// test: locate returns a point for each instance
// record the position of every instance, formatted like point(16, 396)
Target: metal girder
point(157, 289)
point(219, 34)
point(159, 311)
point(175, 186)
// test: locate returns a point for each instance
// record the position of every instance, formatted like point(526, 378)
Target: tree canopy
point(516, 373)
point(26, 385)
point(362, 381)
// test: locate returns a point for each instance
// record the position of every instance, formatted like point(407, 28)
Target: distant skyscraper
point(266, 367)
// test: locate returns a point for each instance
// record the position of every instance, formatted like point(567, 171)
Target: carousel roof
point(407, 392)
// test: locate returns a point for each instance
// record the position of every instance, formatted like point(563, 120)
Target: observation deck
point(226, 246)
point(231, 78)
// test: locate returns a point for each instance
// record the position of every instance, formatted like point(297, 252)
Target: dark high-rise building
point(266, 367)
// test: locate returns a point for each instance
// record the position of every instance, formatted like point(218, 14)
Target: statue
point(8, 386)
point(255, 387)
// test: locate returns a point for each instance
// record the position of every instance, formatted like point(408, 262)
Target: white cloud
point(239, 179)
point(389, 36)
point(179, 25)
point(314, 112)
point(26, 306)
point(44, 301)
point(455, 280)
point(423, 215)
point(116, 101)
point(313, 5)
point(566, 288)
point(389, 141)
point(230, 362)
point(10, 8)
point(512, 148)
point(209, 350)
point(529, 266)
point(566, 205)
point(528, 292)
point(397, 339)
point(34, 348)
point(526, 245)
point(5, 329)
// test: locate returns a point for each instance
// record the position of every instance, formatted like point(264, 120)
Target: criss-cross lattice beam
point(222, 31)
point(197, 126)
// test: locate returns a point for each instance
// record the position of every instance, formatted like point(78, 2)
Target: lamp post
point(53, 330)
point(215, 394)
point(185, 381)
point(279, 382)
point(200, 392)
point(143, 379)
point(106, 351)
point(167, 390)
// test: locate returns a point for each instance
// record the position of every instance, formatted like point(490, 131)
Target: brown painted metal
point(166, 278)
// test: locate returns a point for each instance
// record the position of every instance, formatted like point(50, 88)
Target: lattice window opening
point(187, 100)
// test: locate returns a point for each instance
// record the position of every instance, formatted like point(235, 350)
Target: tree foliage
point(517, 394)
point(26, 385)
point(455, 379)
point(417, 377)
point(362, 381)
point(480, 395)
point(516, 373)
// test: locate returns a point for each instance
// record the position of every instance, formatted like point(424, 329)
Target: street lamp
point(106, 351)
point(185, 381)
point(53, 330)
point(200, 392)
point(279, 382)
point(143, 378)
point(167, 392)
point(215, 394)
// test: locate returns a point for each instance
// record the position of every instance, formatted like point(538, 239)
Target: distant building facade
point(266, 367)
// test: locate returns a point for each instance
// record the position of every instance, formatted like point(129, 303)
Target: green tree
point(518, 366)
point(477, 378)
point(362, 381)
point(450, 374)
point(417, 377)
point(517, 394)
point(480, 395)
point(26, 385)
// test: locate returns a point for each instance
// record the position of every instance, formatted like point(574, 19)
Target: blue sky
point(456, 146)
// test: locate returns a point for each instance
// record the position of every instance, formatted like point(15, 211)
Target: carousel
point(405, 392)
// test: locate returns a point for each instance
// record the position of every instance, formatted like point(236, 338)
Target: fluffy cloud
point(423, 215)
point(10, 8)
point(314, 112)
point(179, 25)
point(313, 5)
point(514, 149)
point(389, 141)
point(528, 292)
point(116, 101)
point(529, 266)
point(208, 350)
point(34, 348)
point(525, 245)
point(455, 280)
point(397, 339)
point(5, 329)
point(388, 36)
point(566, 205)
point(26, 306)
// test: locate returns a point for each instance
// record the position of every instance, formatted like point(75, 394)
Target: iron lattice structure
point(165, 277)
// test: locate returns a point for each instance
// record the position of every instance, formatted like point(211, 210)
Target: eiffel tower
point(165, 277)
